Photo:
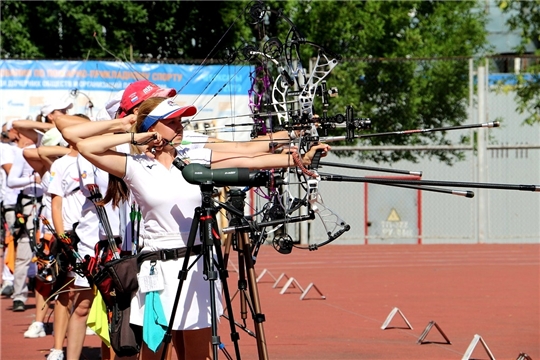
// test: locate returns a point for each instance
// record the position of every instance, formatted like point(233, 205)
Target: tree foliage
point(380, 43)
point(152, 30)
point(382, 74)
point(525, 17)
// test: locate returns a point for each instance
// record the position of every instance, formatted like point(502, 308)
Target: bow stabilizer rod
point(464, 193)
point(533, 188)
point(361, 167)
point(492, 124)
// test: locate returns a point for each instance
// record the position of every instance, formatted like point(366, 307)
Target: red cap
point(139, 91)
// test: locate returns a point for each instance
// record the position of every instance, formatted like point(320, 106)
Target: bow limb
point(279, 99)
point(334, 225)
point(323, 66)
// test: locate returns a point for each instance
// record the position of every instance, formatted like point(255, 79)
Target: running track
point(489, 290)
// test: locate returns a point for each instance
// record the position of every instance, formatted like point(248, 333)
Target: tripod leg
point(212, 276)
point(258, 316)
point(235, 336)
point(182, 277)
point(227, 246)
point(242, 283)
point(230, 239)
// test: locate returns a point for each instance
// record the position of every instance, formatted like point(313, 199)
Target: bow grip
point(316, 159)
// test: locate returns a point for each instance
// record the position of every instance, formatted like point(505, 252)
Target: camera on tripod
point(198, 174)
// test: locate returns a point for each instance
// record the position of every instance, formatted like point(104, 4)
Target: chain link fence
point(512, 156)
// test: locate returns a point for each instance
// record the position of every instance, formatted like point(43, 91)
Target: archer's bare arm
point(32, 157)
point(85, 129)
point(47, 154)
point(261, 144)
point(28, 128)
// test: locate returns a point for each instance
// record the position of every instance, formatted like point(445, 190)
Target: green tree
point(15, 39)
point(151, 30)
point(382, 74)
point(525, 16)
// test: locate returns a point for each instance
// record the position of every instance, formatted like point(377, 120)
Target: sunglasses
point(5, 135)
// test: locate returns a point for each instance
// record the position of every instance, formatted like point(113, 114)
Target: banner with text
point(218, 91)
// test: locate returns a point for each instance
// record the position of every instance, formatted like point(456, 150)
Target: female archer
point(167, 203)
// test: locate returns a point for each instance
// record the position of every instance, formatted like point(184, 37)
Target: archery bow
point(298, 121)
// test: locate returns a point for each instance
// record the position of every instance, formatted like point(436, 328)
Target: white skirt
point(194, 306)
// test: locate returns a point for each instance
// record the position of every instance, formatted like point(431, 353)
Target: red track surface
point(489, 290)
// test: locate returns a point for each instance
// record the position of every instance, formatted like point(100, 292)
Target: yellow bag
point(97, 318)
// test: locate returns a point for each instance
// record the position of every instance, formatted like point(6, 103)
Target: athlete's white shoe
point(56, 354)
point(35, 330)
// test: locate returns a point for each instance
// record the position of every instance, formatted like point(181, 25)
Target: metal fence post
point(481, 153)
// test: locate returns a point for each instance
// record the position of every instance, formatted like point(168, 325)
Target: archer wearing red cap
point(139, 91)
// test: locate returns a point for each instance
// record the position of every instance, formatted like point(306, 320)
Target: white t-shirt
point(21, 175)
point(46, 203)
point(9, 195)
point(6, 153)
point(90, 229)
point(168, 204)
point(65, 183)
point(3, 175)
point(166, 199)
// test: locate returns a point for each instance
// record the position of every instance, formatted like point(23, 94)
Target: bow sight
point(325, 122)
point(329, 122)
point(351, 123)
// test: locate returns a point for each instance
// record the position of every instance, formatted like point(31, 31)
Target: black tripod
point(239, 240)
point(205, 219)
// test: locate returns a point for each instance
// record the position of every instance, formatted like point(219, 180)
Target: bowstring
point(124, 61)
point(200, 67)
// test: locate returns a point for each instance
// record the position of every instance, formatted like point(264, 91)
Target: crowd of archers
point(73, 183)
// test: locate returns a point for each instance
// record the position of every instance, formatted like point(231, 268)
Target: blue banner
point(114, 76)
point(220, 92)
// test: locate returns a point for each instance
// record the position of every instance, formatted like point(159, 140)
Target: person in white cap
point(132, 98)
point(23, 178)
point(67, 201)
point(45, 123)
point(9, 201)
point(52, 147)
point(51, 110)
point(167, 204)
point(89, 232)
point(44, 120)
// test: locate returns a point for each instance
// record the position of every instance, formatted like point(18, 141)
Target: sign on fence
point(393, 215)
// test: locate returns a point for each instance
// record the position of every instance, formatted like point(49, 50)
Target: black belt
point(169, 254)
point(30, 197)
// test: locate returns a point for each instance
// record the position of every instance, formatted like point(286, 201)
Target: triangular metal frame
point(309, 287)
point(473, 344)
point(283, 275)
point(292, 281)
point(523, 356)
point(264, 272)
point(426, 331)
point(391, 315)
